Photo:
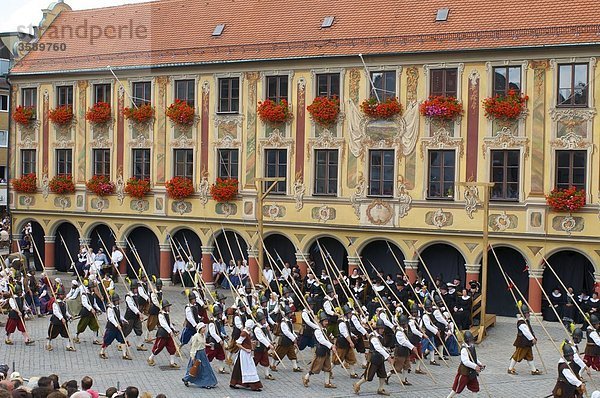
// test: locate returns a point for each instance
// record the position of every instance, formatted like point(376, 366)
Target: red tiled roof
point(180, 31)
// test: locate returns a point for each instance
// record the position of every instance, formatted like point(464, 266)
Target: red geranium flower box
point(24, 115)
point(270, 111)
point(99, 113)
point(25, 184)
point(142, 114)
point(387, 109)
point(181, 113)
point(441, 108)
point(100, 185)
point(505, 107)
point(224, 189)
point(137, 188)
point(61, 116)
point(324, 110)
point(179, 188)
point(62, 184)
point(566, 199)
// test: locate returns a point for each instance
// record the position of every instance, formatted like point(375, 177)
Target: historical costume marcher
point(469, 368)
point(165, 337)
point(244, 372)
point(73, 299)
point(154, 306)
point(59, 321)
point(568, 384)
point(431, 333)
point(215, 339)
point(191, 320)
point(114, 328)
point(307, 334)
point(592, 348)
point(577, 365)
point(16, 313)
point(133, 315)
point(264, 345)
point(378, 357)
point(416, 336)
point(322, 358)
point(345, 344)
point(88, 316)
point(524, 343)
point(287, 341)
point(199, 372)
point(403, 348)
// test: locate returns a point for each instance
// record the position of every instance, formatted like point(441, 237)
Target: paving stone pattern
point(495, 352)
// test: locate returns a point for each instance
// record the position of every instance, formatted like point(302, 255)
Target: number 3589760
point(48, 46)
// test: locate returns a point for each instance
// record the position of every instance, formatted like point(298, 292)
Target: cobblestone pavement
point(495, 352)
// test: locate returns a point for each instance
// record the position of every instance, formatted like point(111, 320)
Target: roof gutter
point(254, 60)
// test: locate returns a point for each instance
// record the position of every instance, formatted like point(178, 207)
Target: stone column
point(473, 271)
point(16, 238)
point(207, 262)
point(165, 267)
point(49, 247)
point(535, 292)
point(301, 262)
point(411, 267)
point(253, 264)
point(353, 263)
point(122, 246)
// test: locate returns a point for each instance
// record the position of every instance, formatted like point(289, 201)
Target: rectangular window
point(276, 166)
point(3, 103)
point(64, 161)
point(441, 174)
point(141, 164)
point(385, 85)
point(184, 163)
point(27, 161)
point(381, 172)
point(3, 138)
point(2, 174)
point(64, 96)
point(277, 88)
point(443, 82)
point(326, 172)
point(102, 162)
point(228, 163)
point(571, 169)
point(185, 90)
point(328, 85)
point(573, 85)
point(229, 95)
point(506, 78)
point(29, 97)
point(505, 175)
point(142, 93)
point(102, 93)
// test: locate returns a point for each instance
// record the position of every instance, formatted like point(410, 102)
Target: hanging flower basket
point(100, 185)
point(273, 112)
point(179, 188)
point(99, 113)
point(324, 110)
point(61, 116)
point(566, 199)
point(441, 108)
point(506, 108)
point(388, 109)
point(141, 115)
point(62, 184)
point(24, 115)
point(25, 184)
point(181, 113)
point(224, 189)
point(137, 188)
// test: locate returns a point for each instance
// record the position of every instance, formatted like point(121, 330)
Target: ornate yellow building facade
point(352, 186)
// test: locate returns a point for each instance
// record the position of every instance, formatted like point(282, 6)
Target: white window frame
point(384, 68)
point(216, 163)
point(460, 67)
point(217, 77)
point(368, 172)
point(488, 174)
point(7, 103)
point(5, 133)
point(314, 72)
point(288, 177)
point(312, 173)
point(457, 172)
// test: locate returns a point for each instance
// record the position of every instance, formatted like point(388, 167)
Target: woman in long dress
point(244, 371)
point(205, 378)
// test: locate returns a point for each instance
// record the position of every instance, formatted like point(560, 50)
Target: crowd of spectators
point(13, 385)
